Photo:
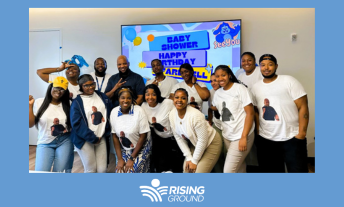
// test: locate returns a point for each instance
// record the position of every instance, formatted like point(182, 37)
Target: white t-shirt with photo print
point(281, 94)
point(165, 86)
point(216, 121)
point(102, 81)
point(72, 89)
point(230, 104)
point(96, 119)
point(251, 79)
point(191, 91)
point(130, 126)
point(46, 122)
point(161, 113)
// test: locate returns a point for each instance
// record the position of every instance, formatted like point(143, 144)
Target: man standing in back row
point(282, 140)
point(99, 75)
point(164, 83)
point(125, 77)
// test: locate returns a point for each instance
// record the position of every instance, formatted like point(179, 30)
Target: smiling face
point(248, 63)
point(214, 83)
point(73, 71)
point(186, 74)
point(223, 78)
point(57, 93)
point(157, 67)
point(151, 97)
point(125, 100)
point(268, 68)
point(122, 64)
point(89, 87)
point(100, 65)
point(180, 100)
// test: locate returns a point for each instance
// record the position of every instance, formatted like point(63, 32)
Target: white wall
point(96, 33)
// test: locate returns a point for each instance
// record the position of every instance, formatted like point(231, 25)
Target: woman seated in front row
point(199, 142)
point(130, 133)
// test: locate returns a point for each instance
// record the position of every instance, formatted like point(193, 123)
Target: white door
point(44, 52)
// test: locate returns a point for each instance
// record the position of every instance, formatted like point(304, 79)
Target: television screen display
point(204, 45)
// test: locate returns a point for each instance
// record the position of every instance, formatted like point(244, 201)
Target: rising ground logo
point(175, 193)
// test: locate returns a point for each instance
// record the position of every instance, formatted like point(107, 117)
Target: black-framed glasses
point(89, 85)
point(59, 89)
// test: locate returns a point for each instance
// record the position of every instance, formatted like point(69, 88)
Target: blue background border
point(19, 188)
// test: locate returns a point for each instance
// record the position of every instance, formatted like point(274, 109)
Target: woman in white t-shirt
point(252, 74)
point(249, 77)
point(51, 116)
point(234, 104)
point(166, 155)
point(199, 142)
point(91, 128)
point(130, 133)
point(198, 91)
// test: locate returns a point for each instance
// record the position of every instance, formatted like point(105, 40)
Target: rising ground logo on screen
point(174, 193)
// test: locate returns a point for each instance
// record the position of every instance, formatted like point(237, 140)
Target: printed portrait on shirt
point(158, 126)
point(57, 128)
point(226, 113)
point(126, 143)
point(97, 116)
point(269, 113)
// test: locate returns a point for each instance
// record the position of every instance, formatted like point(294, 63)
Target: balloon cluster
point(131, 35)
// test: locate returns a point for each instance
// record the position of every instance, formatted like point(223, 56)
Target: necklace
point(159, 82)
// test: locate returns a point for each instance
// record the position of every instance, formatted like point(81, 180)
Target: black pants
point(273, 155)
point(166, 155)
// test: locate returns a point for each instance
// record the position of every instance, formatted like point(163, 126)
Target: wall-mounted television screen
point(204, 45)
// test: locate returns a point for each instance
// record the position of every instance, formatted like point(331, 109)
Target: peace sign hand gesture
point(119, 84)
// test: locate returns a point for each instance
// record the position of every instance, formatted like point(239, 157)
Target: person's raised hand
point(194, 80)
point(119, 84)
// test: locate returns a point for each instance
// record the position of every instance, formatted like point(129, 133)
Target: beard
point(100, 74)
point(125, 74)
point(270, 76)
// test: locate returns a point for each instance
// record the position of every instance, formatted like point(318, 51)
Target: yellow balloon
point(137, 41)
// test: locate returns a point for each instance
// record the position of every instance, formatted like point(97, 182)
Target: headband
point(123, 90)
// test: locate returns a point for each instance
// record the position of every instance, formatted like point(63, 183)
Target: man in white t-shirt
point(251, 74)
point(281, 142)
point(99, 75)
point(72, 75)
point(164, 83)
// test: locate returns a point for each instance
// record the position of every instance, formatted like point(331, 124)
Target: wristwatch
point(132, 158)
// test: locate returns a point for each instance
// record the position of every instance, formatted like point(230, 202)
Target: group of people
point(159, 127)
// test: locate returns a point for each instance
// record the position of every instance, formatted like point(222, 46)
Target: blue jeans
point(60, 152)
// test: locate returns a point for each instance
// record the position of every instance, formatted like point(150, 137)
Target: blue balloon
point(130, 34)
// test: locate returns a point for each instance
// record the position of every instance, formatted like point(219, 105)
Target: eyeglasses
point(89, 85)
point(59, 89)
